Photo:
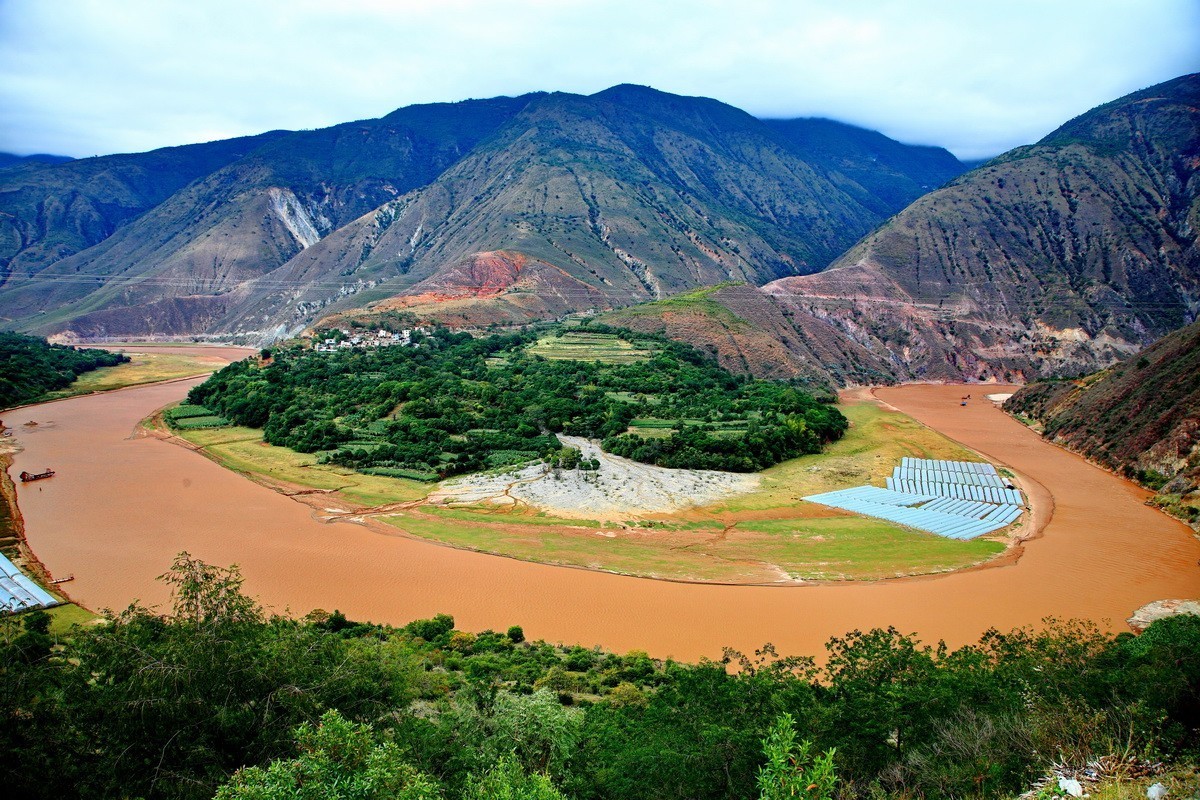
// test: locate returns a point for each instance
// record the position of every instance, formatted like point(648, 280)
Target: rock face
point(1161, 609)
point(623, 196)
point(1141, 417)
point(1056, 258)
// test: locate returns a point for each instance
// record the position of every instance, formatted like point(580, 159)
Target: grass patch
point(243, 450)
point(876, 441)
point(67, 616)
point(142, 368)
point(592, 549)
point(698, 301)
point(606, 348)
point(852, 547)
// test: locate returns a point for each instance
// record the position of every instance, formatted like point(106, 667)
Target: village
point(342, 339)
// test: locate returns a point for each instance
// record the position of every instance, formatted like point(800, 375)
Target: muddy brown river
point(122, 506)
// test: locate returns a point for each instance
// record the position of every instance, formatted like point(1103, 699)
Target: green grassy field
point(593, 549)
point(876, 441)
point(142, 368)
point(850, 547)
point(64, 617)
point(606, 348)
point(243, 450)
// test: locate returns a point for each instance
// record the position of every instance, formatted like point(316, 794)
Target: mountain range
point(610, 199)
point(795, 248)
point(1060, 257)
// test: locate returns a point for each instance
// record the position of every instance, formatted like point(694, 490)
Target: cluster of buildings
point(380, 338)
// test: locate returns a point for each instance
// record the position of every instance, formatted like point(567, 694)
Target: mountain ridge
point(1058, 257)
point(663, 193)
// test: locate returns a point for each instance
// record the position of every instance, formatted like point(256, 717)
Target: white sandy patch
point(999, 397)
point(618, 490)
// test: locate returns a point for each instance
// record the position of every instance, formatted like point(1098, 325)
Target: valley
point(111, 514)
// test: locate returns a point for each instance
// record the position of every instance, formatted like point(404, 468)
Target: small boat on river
point(26, 477)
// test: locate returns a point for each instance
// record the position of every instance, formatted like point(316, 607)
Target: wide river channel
point(122, 506)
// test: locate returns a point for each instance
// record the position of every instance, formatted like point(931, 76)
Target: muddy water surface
point(122, 506)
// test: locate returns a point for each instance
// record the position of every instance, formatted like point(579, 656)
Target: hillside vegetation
point(1141, 418)
point(454, 404)
point(171, 706)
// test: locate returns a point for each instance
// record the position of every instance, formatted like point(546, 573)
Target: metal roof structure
point(955, 499)
point(18, 592)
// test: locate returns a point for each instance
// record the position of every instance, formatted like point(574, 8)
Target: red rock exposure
point(477, 275)
point(495, 287)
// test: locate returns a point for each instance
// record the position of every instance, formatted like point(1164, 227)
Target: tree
point(203, 593)
point(506, 781)
point(792, 769)
point(339, 760)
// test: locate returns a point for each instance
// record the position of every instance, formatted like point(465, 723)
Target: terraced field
point(606, 348)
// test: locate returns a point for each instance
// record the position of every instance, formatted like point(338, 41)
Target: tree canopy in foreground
point(173, 705)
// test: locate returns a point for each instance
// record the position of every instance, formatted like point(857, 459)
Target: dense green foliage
point(30, 367)
point(457, 404)
point(171, 707)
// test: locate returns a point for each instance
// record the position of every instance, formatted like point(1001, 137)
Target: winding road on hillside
point(122, 505)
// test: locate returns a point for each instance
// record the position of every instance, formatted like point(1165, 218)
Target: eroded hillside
point(1141, 417)
point(1056, 258)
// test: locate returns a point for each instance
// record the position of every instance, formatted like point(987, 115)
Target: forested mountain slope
point(1058, 257)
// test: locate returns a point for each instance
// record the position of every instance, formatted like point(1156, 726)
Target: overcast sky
point(80, 77)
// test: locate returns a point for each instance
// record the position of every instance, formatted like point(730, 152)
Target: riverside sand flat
point(122, 506)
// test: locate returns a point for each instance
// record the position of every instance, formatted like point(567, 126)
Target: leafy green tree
point(535, 730)
point(205, 594)
point(338, 760)
point(30, 367)
point(792, 768)
point(507, 781)
point(182, 700)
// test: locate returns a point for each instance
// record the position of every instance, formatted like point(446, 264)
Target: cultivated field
point(606, 348)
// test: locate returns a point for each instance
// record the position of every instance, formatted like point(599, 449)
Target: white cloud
point(83, 77)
